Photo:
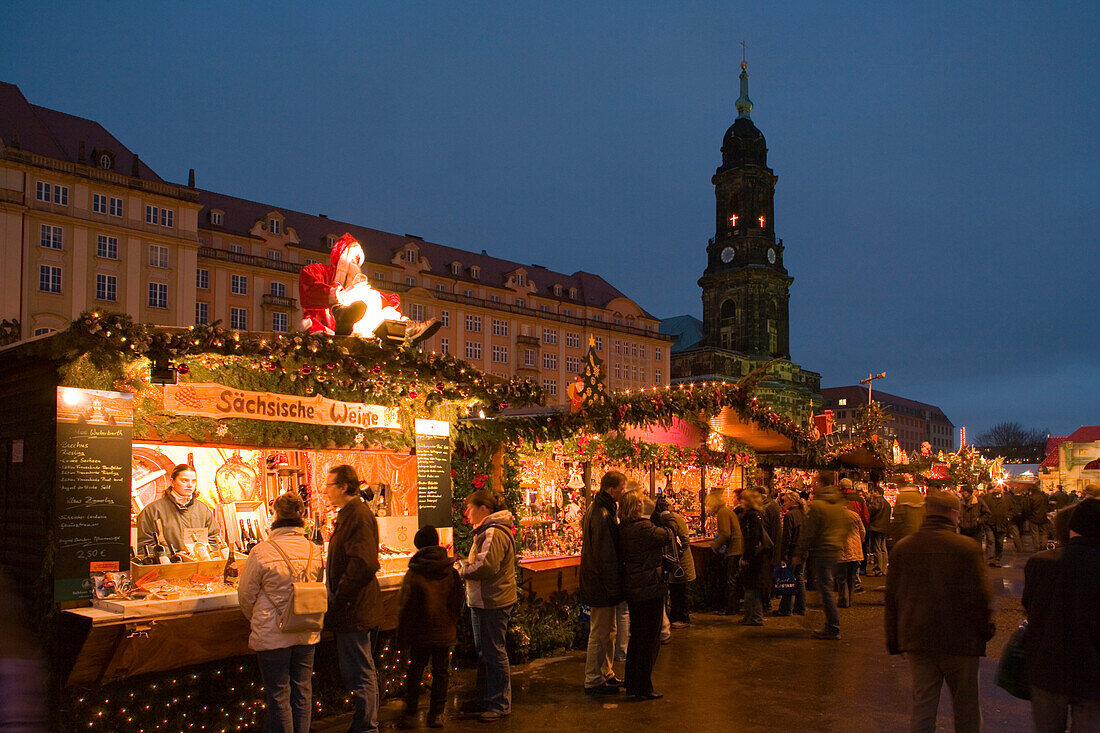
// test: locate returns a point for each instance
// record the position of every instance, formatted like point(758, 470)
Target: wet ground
point(719, 676)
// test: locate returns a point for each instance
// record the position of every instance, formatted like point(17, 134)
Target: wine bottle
point(161, 554)
point(229, 571)
point(244, 536)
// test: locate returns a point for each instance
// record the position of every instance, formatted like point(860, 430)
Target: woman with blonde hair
point(641, 545)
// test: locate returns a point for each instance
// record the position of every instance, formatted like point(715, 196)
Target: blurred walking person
point(998, 519)
point(727, 545)
point(679, 614)
point(939, 613)
point(1062, 645)
point(756, 565)
point(851, 555)
point(821, 541)
point(601, 585)
point(793, 520)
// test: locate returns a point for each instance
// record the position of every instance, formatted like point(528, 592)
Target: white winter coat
point(265, 584)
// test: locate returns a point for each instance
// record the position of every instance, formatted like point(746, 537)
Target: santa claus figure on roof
point(338, 299)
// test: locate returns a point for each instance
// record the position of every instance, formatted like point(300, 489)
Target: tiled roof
point(1085, 434)
point(58, 135)
point(240, 215)
point(687, 329)
point(858, 391)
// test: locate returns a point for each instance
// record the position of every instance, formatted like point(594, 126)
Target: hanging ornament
point(183, 369)
point(359, 438)
point(222, 430)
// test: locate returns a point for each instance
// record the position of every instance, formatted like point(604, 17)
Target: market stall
point(95, 419)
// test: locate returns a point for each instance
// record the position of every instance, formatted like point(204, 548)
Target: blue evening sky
point(937, 161)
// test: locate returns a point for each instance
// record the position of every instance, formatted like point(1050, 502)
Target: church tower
point(745, 286)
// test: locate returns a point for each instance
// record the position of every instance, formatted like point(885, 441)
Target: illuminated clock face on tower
point(727, 255)
point(771, 255)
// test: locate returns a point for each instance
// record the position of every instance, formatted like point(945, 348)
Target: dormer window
point(521, 279)
point(475, 272)
point(216, 218)
point(330, 240)
point(572, 293)
point(557, 290)
point(410, 256)
point(101, 158)
point(274, 226)
point(105, 161)
point(456, 268)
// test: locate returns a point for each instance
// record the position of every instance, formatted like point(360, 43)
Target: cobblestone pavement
point(719, 676)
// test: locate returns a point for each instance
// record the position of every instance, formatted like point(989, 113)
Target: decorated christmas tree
point(593, 387)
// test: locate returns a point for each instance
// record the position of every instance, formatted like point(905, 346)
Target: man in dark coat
point(1062, 646)
point(939, 613)
point(1038, 506)
point(997, 520)
point(821, 541)
point(880, 511)
point(354, 597)
point(601, 585)
point(773, 522)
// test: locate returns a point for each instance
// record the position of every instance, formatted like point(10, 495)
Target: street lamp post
point(870, 378)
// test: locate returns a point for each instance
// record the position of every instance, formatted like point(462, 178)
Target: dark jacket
point(938, 599)
point(773, 521)
point(756, 565)
point(792, 528)
point(1018, 511)
point(600, 581)
point(679, 525)
point(431, 600)
point(1061, 597)
point(973, 514)
point(825, 529)
point(1060, 499)
point(1038, 504)
point(354, 598)
point(880, 511)
point(641, 544)
point(728, 540)
point(1000, 510)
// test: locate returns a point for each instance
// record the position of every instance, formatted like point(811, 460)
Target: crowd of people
point(933, 546)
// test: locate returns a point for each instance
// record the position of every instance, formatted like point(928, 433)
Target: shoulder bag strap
point(286, 559)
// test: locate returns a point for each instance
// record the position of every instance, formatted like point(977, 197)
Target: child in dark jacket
point(431, 602)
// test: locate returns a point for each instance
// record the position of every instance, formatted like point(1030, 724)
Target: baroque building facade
point(745, 284)
point(86, 225)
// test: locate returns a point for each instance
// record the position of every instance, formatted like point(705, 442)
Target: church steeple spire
point(743, 103)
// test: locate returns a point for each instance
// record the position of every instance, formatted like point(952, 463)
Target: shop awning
point(730, 424)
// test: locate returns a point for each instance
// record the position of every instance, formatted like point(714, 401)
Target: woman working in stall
point(177, 511)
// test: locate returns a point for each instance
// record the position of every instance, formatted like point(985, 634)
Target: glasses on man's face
point(331, 484)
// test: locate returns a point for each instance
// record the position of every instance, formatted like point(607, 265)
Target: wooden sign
point(208, 399)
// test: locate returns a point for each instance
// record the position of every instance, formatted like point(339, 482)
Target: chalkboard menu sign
point(94, 432)
point(433, 473)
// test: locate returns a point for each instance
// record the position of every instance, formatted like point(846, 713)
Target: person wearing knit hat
point(1062, 646)
point(264, 592)
point(431, 602)
point(939, 613)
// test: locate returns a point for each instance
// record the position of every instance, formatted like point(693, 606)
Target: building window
point(475, 272)
point(156, 215)
point(379, 276)
point(115, 207)
point(216, 218)
point(410, 281)
point(52, 237)
point(106, 287)
point(238, 285)
point(274, 226)
point(521, 279)
point(573, 340)
point(618, 321)
point(842, 402)
point(416, 312)
point(158, 295)
point(238, 318)
point(468, 293)
point(521, 303)
point(330, 240)
point(278, 290)
point(657, 376)
point(61, 195)
point(641, 351)
point(634, 350)
point(494, 298)
point(528, 357)
point(43, 331)
point(618, 370)
point(473, 349)
point(49, 279)
point(572, 293)
point(549, 360)
point(550, 386)
point(455, 268)
point(439, 287)
point(280, 323)
point(274, 255)
point(202, 313)
point(445, 318)
point(597, 343)
point(202, 279)
point(618, 347)
point(572, 364)
point(500, 328)
point(236, 249)
point(158, 256)
point(106, 247)
point(550, 336)
point(473, 324)
point(500, 354)
point(99, 203)
point(657, 353)
point(42, 191)
point(557, 290)
point(598, 318)
point(544, 308)
point(105, 161)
